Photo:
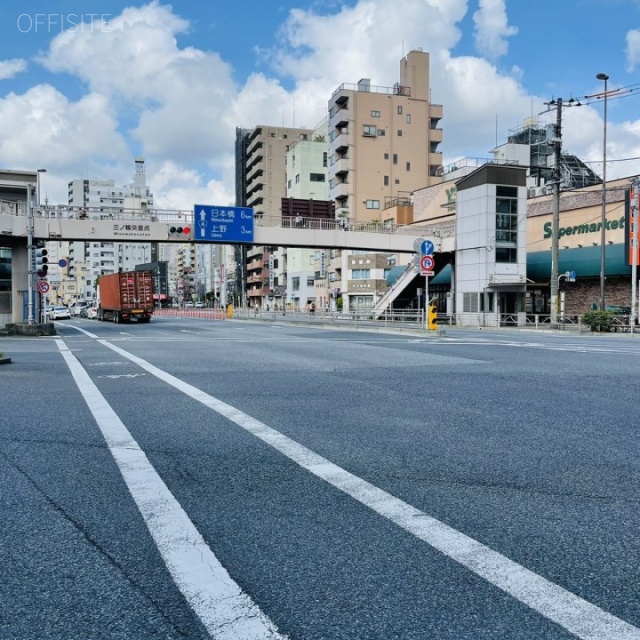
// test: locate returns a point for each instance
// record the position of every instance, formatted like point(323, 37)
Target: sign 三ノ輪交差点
point(215, 223)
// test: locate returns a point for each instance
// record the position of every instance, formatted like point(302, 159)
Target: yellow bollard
point(230, 311)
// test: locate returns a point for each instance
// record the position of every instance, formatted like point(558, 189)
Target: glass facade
point(506, 224)
point(5, 280)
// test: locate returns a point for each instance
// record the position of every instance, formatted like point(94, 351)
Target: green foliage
point(339, 303)
point(598, 320)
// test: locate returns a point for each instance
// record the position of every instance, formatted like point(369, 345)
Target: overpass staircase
point(392, 293)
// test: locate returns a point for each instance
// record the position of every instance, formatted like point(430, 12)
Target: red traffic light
point(180, 230)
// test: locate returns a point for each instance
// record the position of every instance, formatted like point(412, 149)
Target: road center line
point(583, 619)
point(225, 610)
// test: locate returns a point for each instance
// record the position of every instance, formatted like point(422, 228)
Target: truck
point(125, 296)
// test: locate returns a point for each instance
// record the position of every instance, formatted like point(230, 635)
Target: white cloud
point(11, 68)
point(492, 28)
point(180, 187)
point(179, 106)
point(633, 49)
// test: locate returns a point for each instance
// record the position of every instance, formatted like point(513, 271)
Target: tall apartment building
point(383, 141)
point(88, 260)
point(262, 154)
point(383, 145)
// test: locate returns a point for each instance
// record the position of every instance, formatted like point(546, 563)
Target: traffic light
point(179, 231)
point(41, 262)
point(432, 317)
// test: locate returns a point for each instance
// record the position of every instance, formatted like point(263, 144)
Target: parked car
point(188, 305)
point(199, 305)
point(89, 312)
point(76, 308)
point(59, 313)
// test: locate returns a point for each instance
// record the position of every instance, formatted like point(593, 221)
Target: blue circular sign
point(62, 263)
point(426, 248)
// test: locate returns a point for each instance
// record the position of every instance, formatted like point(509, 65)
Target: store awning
point(585, 261)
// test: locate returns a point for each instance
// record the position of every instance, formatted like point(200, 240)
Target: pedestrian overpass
point(63, 223)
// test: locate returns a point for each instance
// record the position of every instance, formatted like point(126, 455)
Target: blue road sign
point(215, 223)
point(426, 248)
point(62, 263)
point(572, 274)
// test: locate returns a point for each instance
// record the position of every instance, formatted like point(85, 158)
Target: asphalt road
point(247, 480)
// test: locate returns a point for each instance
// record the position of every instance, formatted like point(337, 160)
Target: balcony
point(341, 191)
point(341, 168)
point(253, 147)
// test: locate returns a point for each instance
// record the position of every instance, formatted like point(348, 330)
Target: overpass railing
point(186, 217)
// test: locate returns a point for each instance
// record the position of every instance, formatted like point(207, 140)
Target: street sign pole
point(426, 302)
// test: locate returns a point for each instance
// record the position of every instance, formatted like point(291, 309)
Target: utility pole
point(635, 188)
point(555, 224)
point(30, 319)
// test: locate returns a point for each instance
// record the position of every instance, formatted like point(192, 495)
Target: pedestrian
point(255, 310)
point(299, 222)
point(312, 308)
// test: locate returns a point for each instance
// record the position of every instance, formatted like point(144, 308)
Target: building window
point(386, 181)
point(369, 130)
point(408, 166)
point(295, 283)
point(506, 224)
point(506, 254)
point(297, 178)
point(395, 158)
point(289, 184)
point(399, 110)
point(361, 274)
point(381, 132)
point(324, 159)
point(397, 181)
point(408, 118)
point(373, 204)
point(310, 281)
point(317, 177)
point(386, 156)
point(375, 114)
point(399, 133)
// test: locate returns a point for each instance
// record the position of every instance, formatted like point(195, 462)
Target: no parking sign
point(426, 265)
point(43, 286)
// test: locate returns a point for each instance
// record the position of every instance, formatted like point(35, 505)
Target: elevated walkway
point(104, 225)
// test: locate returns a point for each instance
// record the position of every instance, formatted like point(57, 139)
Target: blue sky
point(171, 81)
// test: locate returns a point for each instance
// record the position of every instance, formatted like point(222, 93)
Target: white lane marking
point(583, 619)
point(114, 376)
point(225, 610)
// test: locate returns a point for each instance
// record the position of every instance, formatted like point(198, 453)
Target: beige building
point(383, 145)
point(263, 161)
point(383, 141)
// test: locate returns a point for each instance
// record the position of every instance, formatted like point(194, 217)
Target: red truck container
point(127, 295)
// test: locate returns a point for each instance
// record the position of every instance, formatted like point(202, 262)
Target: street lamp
point(605, 78)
